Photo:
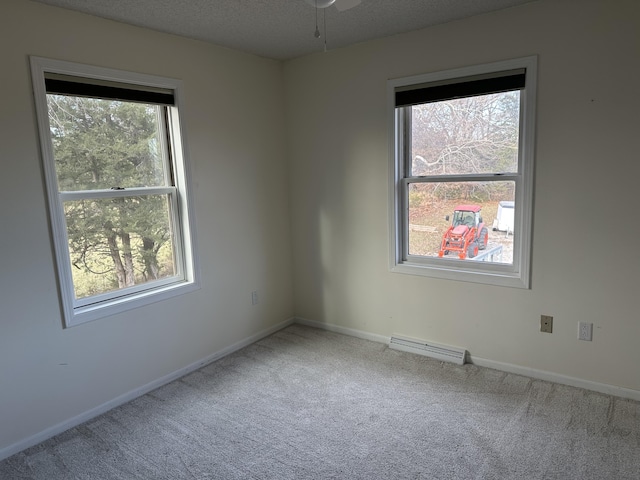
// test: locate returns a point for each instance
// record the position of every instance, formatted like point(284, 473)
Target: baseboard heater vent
point(441, 352)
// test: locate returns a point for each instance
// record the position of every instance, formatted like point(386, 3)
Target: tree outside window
point(102, 145)
point(462, 163)
point(118, 187)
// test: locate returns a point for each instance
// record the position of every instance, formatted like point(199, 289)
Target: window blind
point(459, 88)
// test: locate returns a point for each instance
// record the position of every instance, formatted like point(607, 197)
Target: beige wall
point(234, 125)
point(586, 258)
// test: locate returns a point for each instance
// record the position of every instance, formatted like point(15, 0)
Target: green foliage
point(103, 144)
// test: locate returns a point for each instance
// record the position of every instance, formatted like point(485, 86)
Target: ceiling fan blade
point(343, 5)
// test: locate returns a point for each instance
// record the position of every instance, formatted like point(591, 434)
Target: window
point(462, 173)
point(117, 184)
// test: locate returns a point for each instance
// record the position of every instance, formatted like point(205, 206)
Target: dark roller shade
point(459, 89)
point(109, 92)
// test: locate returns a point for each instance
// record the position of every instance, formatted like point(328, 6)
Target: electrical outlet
point(585, 331)
point(254, 298)
point(546, 323)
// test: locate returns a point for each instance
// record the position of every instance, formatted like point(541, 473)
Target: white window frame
point(516, 274)
point(186, 279)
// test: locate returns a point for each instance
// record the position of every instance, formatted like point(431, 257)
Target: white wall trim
point(557, 378)
point(133, 394)
point(179, 193)
point(483, 362)
point(344, 330)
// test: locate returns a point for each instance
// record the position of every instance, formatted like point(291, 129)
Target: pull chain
point(324, 20)
point(317, 32)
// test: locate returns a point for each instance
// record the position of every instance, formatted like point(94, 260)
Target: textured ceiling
point(282, 29)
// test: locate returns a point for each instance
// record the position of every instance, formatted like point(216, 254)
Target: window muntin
point(452, 139)
point(117, 184)
point(463, 137)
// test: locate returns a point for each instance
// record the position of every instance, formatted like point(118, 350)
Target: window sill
point(88, 313)
point(499, 277)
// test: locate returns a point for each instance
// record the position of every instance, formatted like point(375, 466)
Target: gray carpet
point(310, 404)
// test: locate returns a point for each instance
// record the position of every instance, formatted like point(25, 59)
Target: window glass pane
point(116, 243)
point(465, 136)
point(100, 144)
point(468, 221)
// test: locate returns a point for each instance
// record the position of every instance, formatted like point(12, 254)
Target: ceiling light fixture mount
point(320, 3)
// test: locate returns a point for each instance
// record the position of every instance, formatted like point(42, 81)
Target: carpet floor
point(305, 403)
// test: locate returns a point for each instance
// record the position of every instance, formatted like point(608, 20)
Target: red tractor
point(467, 233)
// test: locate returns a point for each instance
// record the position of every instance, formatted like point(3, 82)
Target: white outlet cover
point(585, 331)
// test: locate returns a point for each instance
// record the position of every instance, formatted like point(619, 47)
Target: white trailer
point(504, 219)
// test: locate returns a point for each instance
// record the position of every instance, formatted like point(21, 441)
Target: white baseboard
point(344, 330)
point(127, 397)
point(557, 378)
point(505, 367)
